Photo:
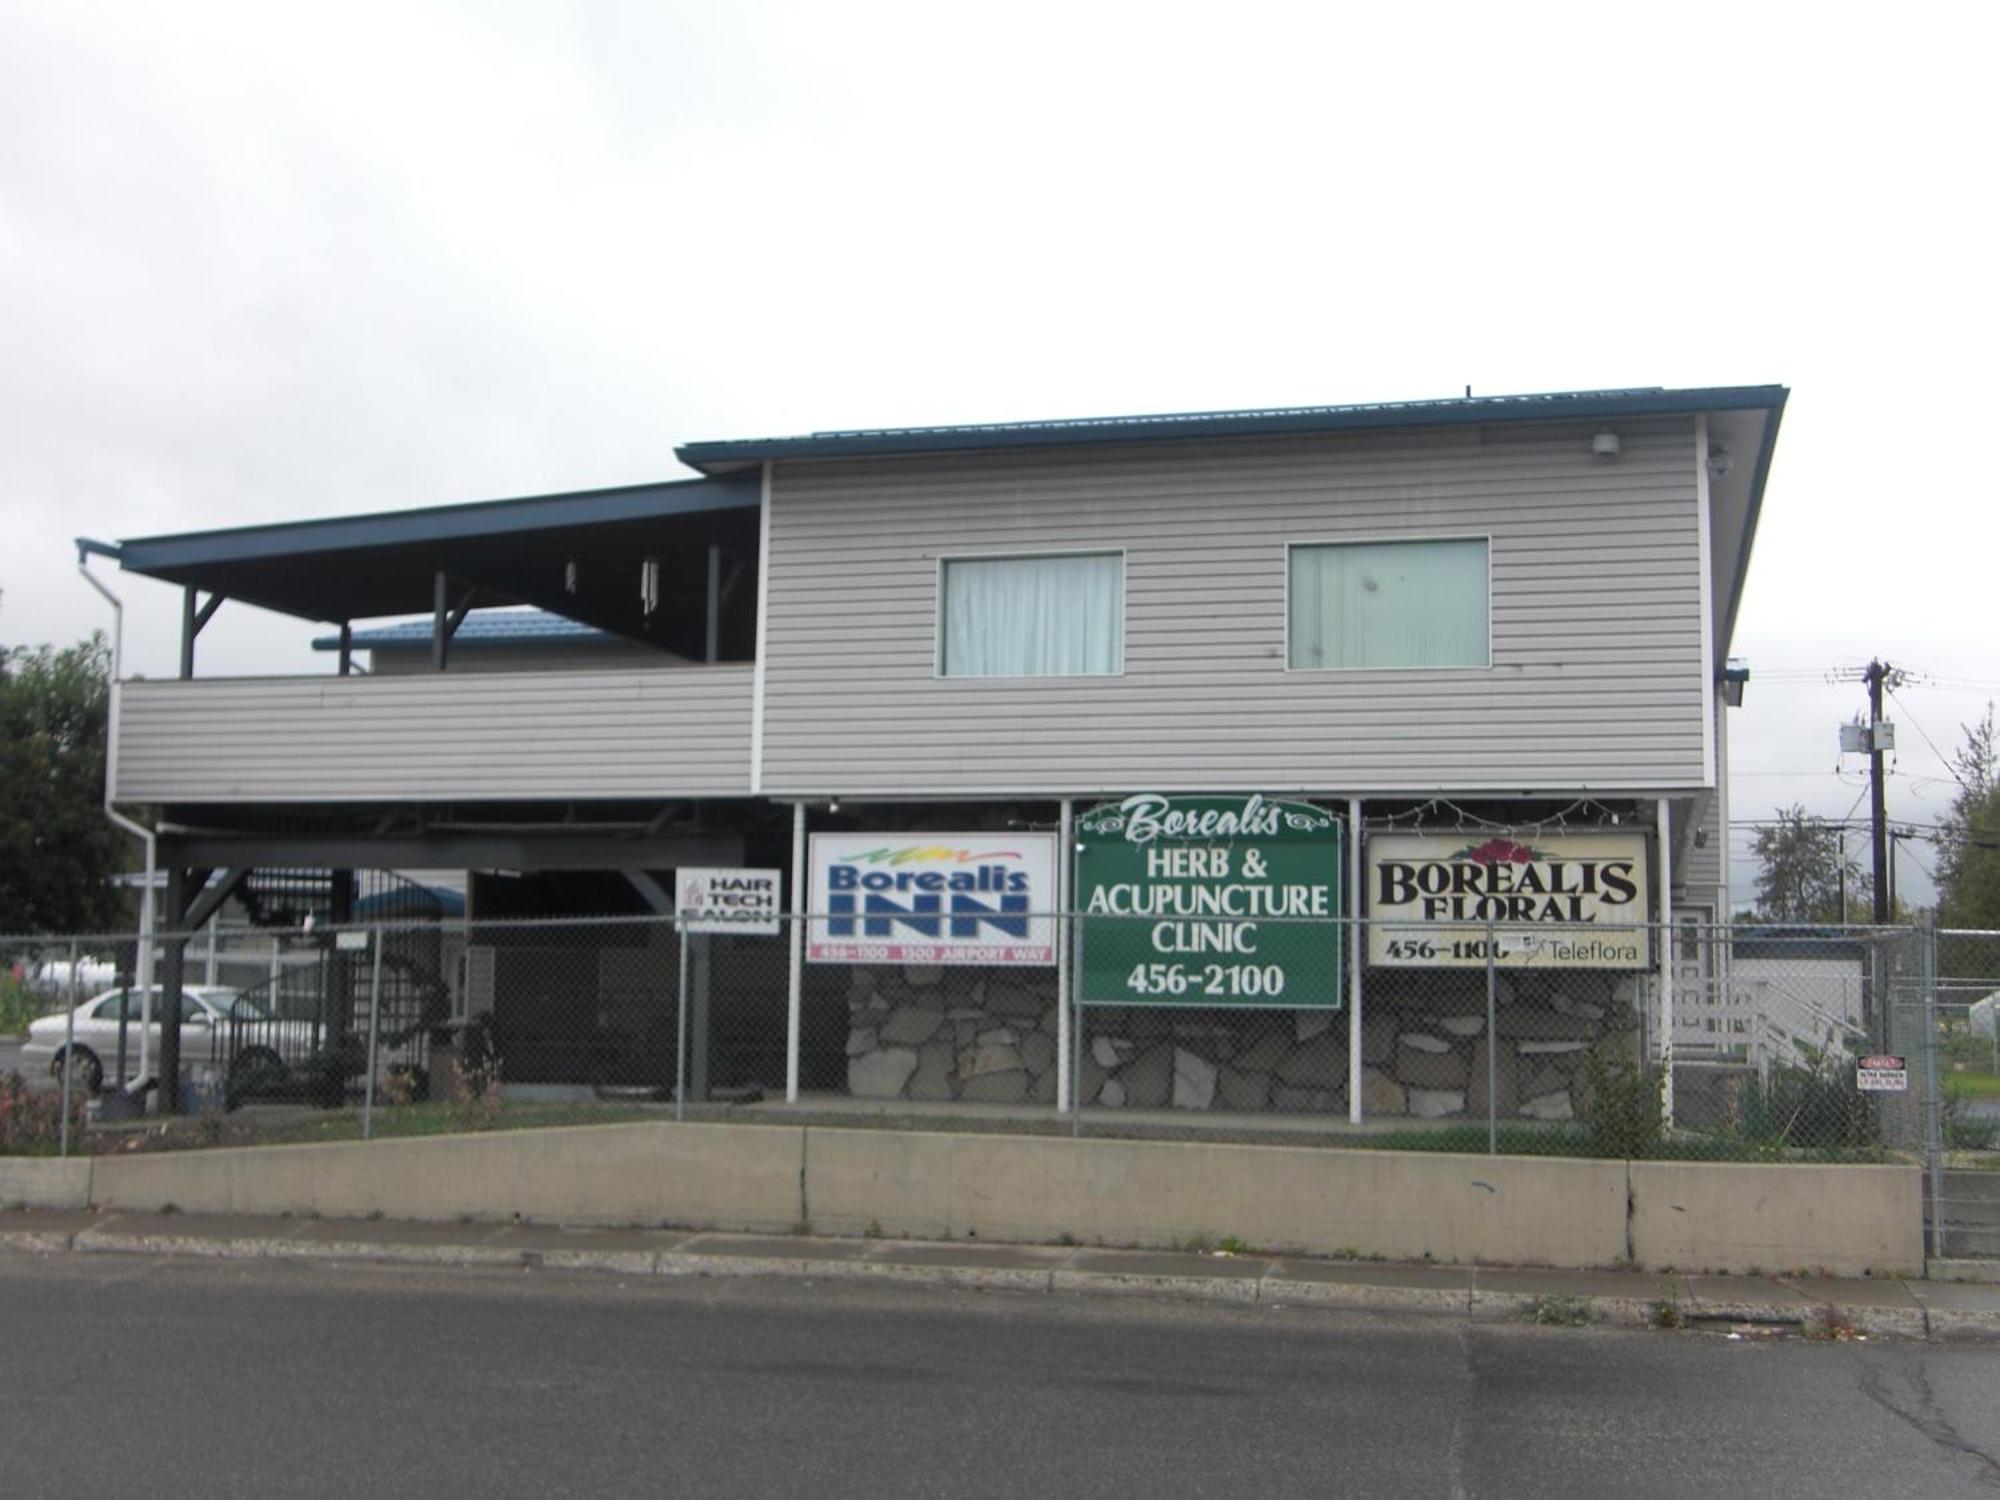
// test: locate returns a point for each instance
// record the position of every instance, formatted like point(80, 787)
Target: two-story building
point(1494, 613)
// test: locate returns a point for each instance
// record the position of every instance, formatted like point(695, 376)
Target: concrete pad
point(1145, 1263)
point(1958, 1309)
point(1419, 1288)
point(1961, 1269)
point(1747, 1299)
point(748, 1247)
point(984, 1257)
point(553, 1238)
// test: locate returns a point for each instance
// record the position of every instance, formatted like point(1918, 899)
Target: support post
point(188, 630)
point(374, 1034)
point(798, 953)
point(209, 961)
point(337, 1000)
point(714, 634)
point(1492, 1047)
point(1878, 813)
point(69, 1046)
point(681, 1029)
point(1357, 941)
point(440, 619)
point(346, 648)
point(173, 973)
point(1664, 960)
point(703, 968)
point(1065, 884)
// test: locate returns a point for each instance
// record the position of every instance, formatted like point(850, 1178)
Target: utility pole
point(1878, 672)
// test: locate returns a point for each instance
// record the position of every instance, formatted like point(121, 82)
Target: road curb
point(880, 1265)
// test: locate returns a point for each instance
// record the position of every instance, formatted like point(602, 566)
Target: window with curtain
point(1389, 604)
point(1033, 616)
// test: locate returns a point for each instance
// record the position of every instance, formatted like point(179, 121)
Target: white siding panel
point(1596, 638)
point(619, 733)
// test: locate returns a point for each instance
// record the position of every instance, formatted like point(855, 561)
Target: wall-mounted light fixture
point(1605, 445)
point(833, 804)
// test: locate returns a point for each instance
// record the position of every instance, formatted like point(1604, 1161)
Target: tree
point(1799, 867)
point(1969, 838)
point(58, 852)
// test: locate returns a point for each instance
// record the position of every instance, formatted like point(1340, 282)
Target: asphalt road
point(153, 1375)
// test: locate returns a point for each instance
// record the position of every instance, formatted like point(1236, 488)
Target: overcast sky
point(269, 261)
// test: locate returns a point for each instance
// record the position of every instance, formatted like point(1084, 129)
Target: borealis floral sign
point(1555, 901)
point(1209, 901)
point(932, 898)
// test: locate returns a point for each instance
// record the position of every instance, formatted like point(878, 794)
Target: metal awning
point(581, 555)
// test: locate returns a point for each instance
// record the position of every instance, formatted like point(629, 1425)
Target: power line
point(1943, 759)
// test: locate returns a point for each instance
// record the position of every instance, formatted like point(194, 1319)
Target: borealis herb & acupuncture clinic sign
point(1555, 901)
point(1209, 901)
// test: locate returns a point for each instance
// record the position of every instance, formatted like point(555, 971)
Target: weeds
point(1830, 1325)
point(476, 1101)
point(1559, 1310)
point(1668, 1311)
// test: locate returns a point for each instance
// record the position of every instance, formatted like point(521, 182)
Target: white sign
point(1882, 1075)
point(932, 898)
point(1556, 901)
point(351, 942)
point(740, 901)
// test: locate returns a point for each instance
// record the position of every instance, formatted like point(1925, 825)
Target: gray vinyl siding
point(1701, 865)
point(1596, 677)
point(662, 733)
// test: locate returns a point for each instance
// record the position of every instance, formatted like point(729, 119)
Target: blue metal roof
point(720, 457)
point(514, 627)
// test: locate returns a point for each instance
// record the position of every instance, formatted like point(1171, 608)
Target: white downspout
point(84, 548)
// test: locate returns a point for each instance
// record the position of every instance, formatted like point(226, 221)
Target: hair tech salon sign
point(1556, 901)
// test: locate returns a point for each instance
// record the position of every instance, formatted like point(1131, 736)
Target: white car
point(205, 1034)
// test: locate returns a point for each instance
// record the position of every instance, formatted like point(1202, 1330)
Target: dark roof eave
point(447, 523)
point(735, 454)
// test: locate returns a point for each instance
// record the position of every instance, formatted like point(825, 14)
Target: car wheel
point(87, 1074)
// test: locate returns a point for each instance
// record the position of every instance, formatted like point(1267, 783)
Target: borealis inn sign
point(1209, 901)
point(1562, 901)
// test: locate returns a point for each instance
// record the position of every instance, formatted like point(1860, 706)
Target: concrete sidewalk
point(1910, 1309)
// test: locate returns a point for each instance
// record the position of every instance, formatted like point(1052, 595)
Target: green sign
point(1209, 901)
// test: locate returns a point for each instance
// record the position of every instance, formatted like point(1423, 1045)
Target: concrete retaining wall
point(44, 1182)
point(1851, 1221)
point(946, 1185)
point(701, 1176)
point(1403, 1205)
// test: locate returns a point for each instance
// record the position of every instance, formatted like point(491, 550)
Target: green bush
point(1961, 1130)
point(17, 1005)
point(31, 1123)
point(1621, 1106)
point(1818, 1107)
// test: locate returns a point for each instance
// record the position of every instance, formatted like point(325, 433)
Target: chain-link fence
point(1718, 1042)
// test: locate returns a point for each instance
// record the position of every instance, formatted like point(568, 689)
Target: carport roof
point(365, 567)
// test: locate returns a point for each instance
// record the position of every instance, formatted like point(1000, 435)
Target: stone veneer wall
point(989, 1036)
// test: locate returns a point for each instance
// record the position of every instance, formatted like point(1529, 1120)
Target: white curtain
point(1389, 604)
point(1034, 616)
